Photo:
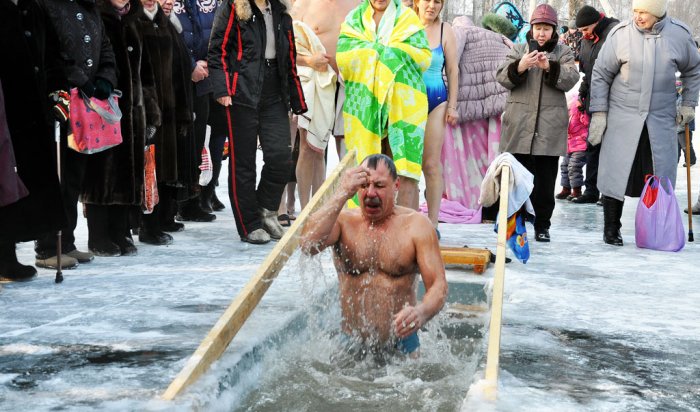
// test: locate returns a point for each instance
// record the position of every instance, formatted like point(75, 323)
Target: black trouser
point(592, 159)
point(545, 169)
point(201, 116)
point(268, 122)
point(73, 166)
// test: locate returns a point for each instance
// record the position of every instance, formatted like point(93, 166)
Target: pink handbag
point(95, 124)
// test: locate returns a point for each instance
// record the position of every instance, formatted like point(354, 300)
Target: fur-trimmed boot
point(612, 212)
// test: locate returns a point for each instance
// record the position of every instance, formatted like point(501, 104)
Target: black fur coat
point(115, 176)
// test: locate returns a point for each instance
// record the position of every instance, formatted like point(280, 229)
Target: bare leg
point(340, 147)
point(432, 165)
point(408, 193)
point(308, 165)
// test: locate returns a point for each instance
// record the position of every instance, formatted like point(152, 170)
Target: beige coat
point(535, 120)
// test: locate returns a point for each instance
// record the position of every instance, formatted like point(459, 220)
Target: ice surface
point(587, 326)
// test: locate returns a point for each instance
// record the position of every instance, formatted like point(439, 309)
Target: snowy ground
point(587, 326)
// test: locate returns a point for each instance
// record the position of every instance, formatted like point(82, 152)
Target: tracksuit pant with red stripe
point(269, 122)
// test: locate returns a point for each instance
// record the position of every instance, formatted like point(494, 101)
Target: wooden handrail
point(220, 336)
point(494, 345)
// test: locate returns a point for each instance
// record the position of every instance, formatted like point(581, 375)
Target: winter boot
point(51, 262)
point(586, 197)
point(612, 212)
point(205, 198)
point(257, 237)
point(565, 192)
point(575, 194)
point(150, 231)
point(119, 230)
point(99, 241)
point(190, 211)
point(271, 224)
point(10, 268)
point(216, 204)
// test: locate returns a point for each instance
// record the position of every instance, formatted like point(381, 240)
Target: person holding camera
point(534, 124)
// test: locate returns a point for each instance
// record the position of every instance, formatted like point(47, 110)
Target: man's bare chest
point(369, 251)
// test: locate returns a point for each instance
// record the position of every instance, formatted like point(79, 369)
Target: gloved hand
point(100, 89)
point(103, 88)
point(685, 115)
point(61, 107)
point(599, 121)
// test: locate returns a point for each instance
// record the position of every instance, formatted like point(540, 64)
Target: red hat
point(544, 13)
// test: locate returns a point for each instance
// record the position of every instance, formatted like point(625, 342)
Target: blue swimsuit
point(434, 83)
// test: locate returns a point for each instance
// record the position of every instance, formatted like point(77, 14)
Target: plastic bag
point(206, 169)
point(516, 236)
point(659, 225)
point(150, 184)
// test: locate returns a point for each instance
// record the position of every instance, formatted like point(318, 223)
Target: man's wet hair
point(374, 159)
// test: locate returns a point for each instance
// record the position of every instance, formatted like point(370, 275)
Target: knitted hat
point(654, 7)
point(544, 13)
point(586, 16)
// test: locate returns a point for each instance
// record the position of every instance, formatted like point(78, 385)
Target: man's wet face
point(377, 197)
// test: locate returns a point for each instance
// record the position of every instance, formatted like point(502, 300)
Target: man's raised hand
point(353, 180)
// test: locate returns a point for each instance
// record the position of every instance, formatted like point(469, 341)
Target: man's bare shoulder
point(346, 6)
point(350, 216)
point(413, 220)
point(300, 8)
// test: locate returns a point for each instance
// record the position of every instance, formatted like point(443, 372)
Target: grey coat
point(536, 117)
point(634, 81)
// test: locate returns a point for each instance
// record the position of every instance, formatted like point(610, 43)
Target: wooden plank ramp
point(479, 258)
point(228, 325)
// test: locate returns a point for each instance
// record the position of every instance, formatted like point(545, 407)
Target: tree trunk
point(574, 6)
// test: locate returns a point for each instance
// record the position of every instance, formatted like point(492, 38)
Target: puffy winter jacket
point(197, 19)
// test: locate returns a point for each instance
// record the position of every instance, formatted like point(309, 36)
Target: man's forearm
point(433, 300)
point(320, 225)
point(304, 60)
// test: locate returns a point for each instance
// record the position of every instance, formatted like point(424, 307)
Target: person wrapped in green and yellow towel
point(382, 54)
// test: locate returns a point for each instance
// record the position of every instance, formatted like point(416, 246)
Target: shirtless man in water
point(378, 250)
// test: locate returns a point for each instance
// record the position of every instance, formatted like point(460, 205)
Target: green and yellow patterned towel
point(385, 94)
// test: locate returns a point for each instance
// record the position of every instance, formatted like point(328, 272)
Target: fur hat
point(544, 13)
point(586, 16)
point(654, 7)
point(499, 24)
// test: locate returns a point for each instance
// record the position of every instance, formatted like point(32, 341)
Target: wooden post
point(494, 346)
point(220, 336)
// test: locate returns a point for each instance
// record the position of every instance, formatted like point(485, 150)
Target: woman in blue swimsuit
point(442, 100)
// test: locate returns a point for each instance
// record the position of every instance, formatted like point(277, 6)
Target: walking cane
point(57, 137)
point(687, 174)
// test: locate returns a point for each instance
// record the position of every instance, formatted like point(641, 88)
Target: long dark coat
point(115, 176)
point(24, 86)
point(175, 150)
